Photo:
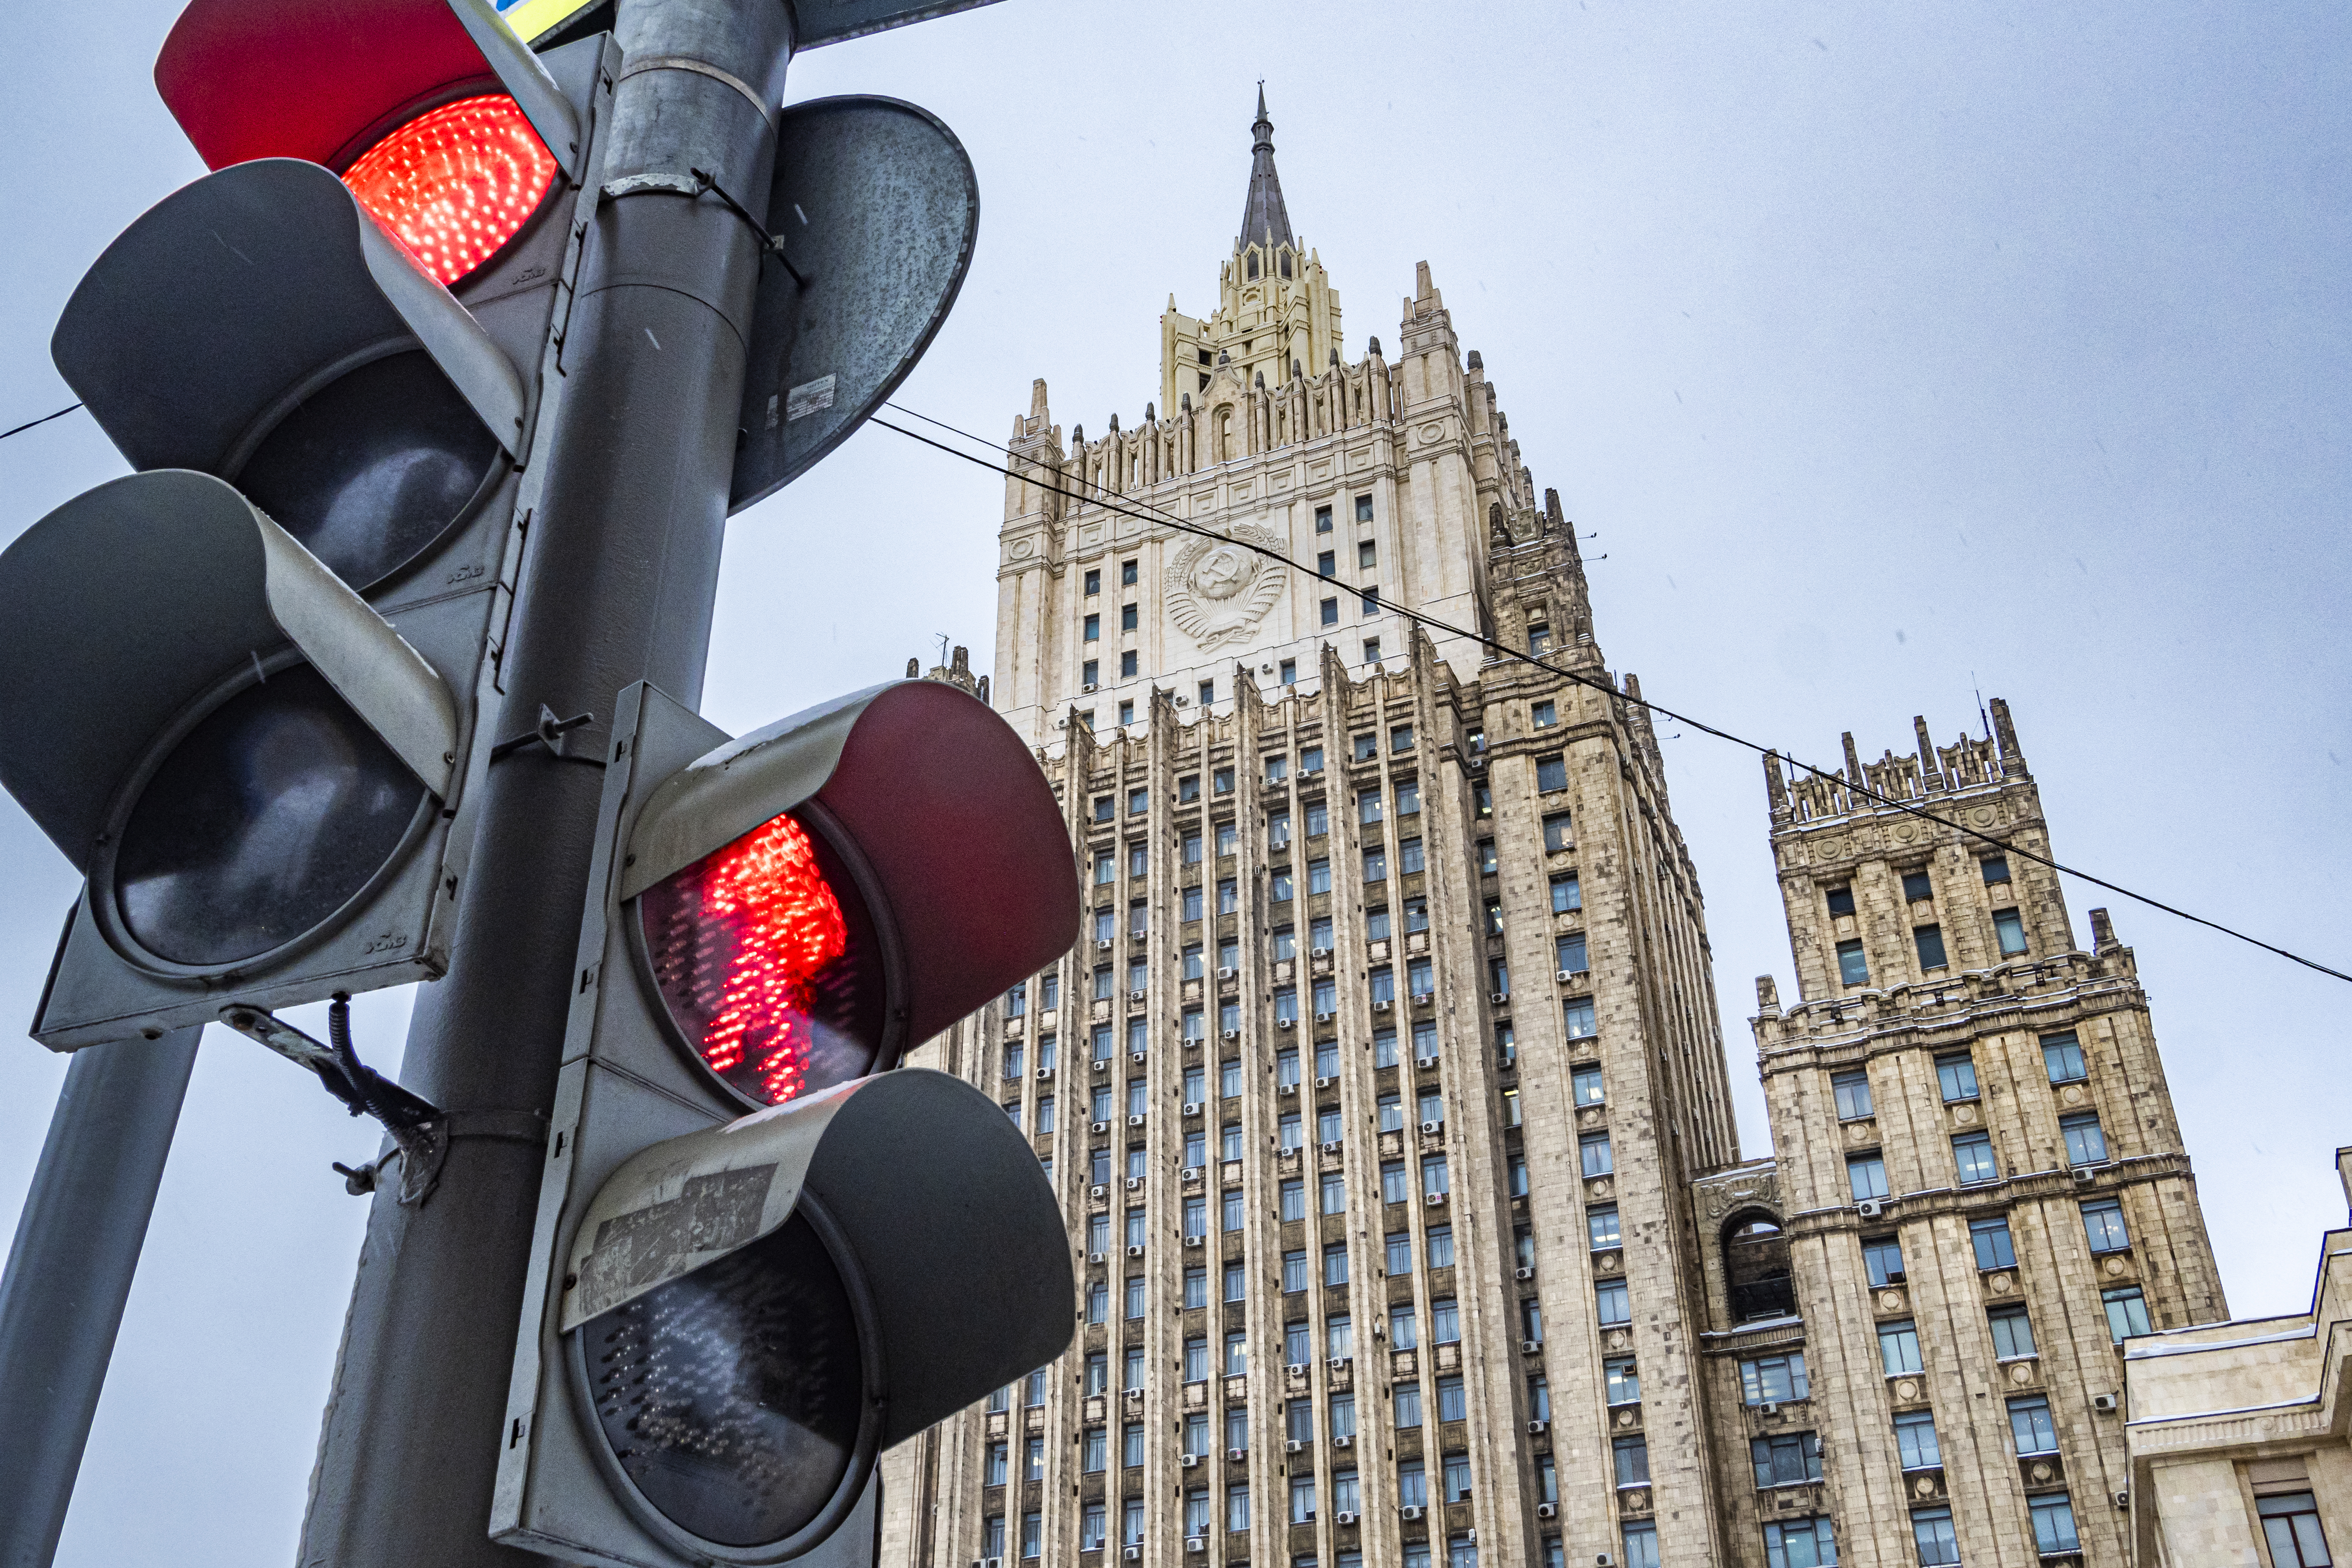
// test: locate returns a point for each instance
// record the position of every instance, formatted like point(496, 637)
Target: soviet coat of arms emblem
point(1218, 590)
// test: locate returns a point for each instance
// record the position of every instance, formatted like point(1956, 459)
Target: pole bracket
point(420, 1130)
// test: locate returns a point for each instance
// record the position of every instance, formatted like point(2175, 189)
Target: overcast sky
point(1894, 353)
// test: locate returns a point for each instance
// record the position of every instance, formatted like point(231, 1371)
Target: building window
point(1956, 1075)
point(1600, 1227)
point(1290, 672)
point(1931, 1532)
point(2102, 1224)
point(1294, 1267)
point(1915, 887)
point(1584, 1085)
point(1403, 1323)
point(1640, 1543)
point(1615, 1303)
point(2127, 1312)
point(1579, 1017)
point(1914, 1441)
point(2053, 1524)
point(2029, 1423)
point(2013, 1332)
point(1593, 1148)
point(1127, 671)
point(1196, 1514)
point(1093, 628)
point(1368, 603)
point(1852, 1092)
point(2008, 929)
point(1841, 901)
point(1319, 816)
point(1221, 781)
point(1188, 788)
point(1434, 1178)
point(1865, 1174)
point(1094, 584)
point(1446, 1328)
point(1543, 716)
point(1096, 1454)
point(1229, 896)
point(1376, 864)
point(1566, 895)
point(1032, 1535)
point(1330, 612)
point(1622, 1380)
point(1556, 836)
point(1898, 1348)
point(1930, 940)
point(1127, 617)
point(1399, 738)
point(1972, 1157)
point(1996, 868)
point(1322, 520)
point(1802, 1544)
point(1363, 509)
point(1630, 1456)
point(1882, 1261)
point(1854, 969)
point(1551, 772)
point(1310, 761)
point(1327, 564)
point(1786, 1460)
point(2063, 1056)
point(1137, 802)
point(1236, 1354)
point(2085, 1143)
point(1395, 1185)
point(1991, 1239)
point(2291, 1528)
point(1238, 1506)
point(1409, 856)
point(1774, 1378)
point(1440, 1247)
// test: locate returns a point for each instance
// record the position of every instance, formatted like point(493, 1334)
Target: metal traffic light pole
point(69, 1272)
point(619, 577)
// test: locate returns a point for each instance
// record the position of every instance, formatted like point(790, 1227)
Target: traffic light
point(246, 684)
point(761, 1257)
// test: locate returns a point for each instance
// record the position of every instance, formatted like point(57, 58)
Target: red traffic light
point(768, 963)
point(453, 185)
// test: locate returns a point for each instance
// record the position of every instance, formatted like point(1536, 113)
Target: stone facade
point(1375, 1086)
point(2241, 1432)
point(1981, 1189)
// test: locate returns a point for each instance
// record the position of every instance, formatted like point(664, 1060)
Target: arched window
point(1253, 263)
point(1756, 1268)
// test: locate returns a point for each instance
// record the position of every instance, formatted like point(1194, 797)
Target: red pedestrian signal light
point(768, 962)
point(456, 184)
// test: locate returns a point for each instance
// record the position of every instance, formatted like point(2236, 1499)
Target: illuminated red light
point(740, 943)
point(455, 185)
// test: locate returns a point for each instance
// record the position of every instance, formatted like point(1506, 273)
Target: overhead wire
point(43, 419)
point(1148, 513)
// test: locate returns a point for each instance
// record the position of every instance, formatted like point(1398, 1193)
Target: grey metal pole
point(619, 580)
point(69, 1272)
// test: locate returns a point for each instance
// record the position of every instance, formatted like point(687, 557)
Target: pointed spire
point(1264, 215)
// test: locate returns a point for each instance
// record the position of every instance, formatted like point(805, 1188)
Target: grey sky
point(1888, 351)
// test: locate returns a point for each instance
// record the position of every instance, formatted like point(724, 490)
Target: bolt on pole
point(69, 1272)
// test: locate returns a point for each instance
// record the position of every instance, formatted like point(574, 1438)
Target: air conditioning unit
point(1045, 1072)
point(1292, 1445)
point(1288, 1089)
point(1229, 974)
point(1525, 1271)
point(1340, 1362)
point(2103, 1402)
point(1547, 1510)
point(1604, 1561)
point(1102, 1064)
point(1135, 1121)
point(1433, 1200)
point(1285, 1022)
point(1423, 998)
point(1087, 689)
point(2123, 1499)
point(1325, 1017)
point(1409, 1511)
point(1229, 1034)
point(1196, 1543)
point(1433, 1127)
point(1135, 1251)
point(1332, 1147)
point(1347, 1442)
point(1102, 944)
point(1138, 1057)
point(1324, 1082)
point(1870, 1208)
point(1192, 1107)
point(1424, 1063)
point(1131, 1553)
point(989, 1562)
point(1190, 1461)
point(1136, 995)
point(2086, 1174)
point(1135, 1184)
point(1538, 1428)
point(1095, 1256)
point(1237, 1455)
point(1098, 1191)
point(1196, 1241)
point(1381, 1004)
point(1343, 1517)
point(1499, 998)
point(1194, 1175)
point(1770, 1407)
point(1530, 1347)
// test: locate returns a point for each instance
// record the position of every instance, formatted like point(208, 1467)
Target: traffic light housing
point(761, 1257)
point(247, 682)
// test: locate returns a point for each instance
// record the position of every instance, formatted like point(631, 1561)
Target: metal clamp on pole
point(418, 1128)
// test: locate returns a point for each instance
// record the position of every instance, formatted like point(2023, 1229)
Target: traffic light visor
point(456, 182)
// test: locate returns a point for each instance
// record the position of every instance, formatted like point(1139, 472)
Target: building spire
point(1263, 217)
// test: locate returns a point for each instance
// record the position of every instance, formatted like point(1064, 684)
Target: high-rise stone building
point(1384, 1091)
point(1374, 1086)
point(1917, 1307)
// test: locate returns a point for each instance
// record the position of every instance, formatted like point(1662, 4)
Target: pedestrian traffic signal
point(761, 1257)
point(244, 685)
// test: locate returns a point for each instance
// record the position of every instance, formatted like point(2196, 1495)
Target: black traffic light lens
point(768, 961)
point(732, 1396)
point(267, 817)
point(374, 466)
